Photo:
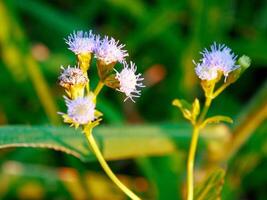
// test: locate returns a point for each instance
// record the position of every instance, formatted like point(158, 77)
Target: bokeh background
point(162, 38)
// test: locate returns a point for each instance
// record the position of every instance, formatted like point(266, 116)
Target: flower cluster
point(219, 59)
point(80, 100)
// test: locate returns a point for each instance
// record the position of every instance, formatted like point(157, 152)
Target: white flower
point(109, 50)
point(220, 58)
point(129, 81)
point(81, 110)
point(72, 76)
point(206, 73)
point(81, 42)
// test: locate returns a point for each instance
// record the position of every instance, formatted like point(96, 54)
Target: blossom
point(205, 72)
point(72, 76)
point(218, 59)
point(129, 81)
point(109, 50)
point(81, 110)
point(81, 42)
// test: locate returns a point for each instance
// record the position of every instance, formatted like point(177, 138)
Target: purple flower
point(81, 42)
point(109, 50)
point(218, 59)
point(81, 110)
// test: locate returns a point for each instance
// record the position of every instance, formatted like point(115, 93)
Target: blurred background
point(162, 38)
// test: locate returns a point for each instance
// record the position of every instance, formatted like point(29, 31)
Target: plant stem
point(98, 88)
point(190, 163)
point(87, 87)
point(193, 148)
point(219, 90)
point(106, 168)
point(205, 110)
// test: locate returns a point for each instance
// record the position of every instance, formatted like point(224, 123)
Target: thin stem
point(190, 164)
point(107, 169)
point(87, 87)
point(98, 88)
point(205, 110)
point(219, 90)
point(193, 148)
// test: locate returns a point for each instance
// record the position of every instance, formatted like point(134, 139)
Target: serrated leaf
point(216, 119)
point(115, 142)
point(211, 188)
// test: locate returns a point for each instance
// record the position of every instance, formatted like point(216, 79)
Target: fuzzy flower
point(129, 81)
point(219, 59)
point(72, 76)
point(81, 42)
point(109, 50)
point(81, 110)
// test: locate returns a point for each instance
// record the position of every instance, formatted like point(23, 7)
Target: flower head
point(72, 76)
point(81, 42)
point(218, 59)
point(81, 110)
point(129, 81)
point(109, 50)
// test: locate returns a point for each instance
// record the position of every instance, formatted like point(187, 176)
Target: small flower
point(81, 42)
point(72, 76)
point(129, 81)
point(206, 73)
point(219, 59)
point(80, 110)
point(109, 50)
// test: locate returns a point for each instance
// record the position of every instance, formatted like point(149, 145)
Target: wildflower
point(205, 72)
point(129, 81)
point(109, 50)
point(219, 59)
point(72, 76)
point(74, 81)
point(80, 110)
point(81, 42)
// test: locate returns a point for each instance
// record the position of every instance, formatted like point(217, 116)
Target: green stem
point(98, 88)
point(190, 164)
point(106, 168)
point(205, 110)
point(193, 148)
point(87, 87)
point(219, 90)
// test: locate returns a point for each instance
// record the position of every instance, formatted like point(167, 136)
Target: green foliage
point(189, 111)
point(211, 188)
point(216, 119)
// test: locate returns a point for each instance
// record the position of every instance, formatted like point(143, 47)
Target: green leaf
point(195, 108)
point(119, 142)
point(189, 111)
point(184, 106)
point(211, 188)
point(216, 119)
point(116, 142)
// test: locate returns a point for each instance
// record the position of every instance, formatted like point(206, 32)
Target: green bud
point(244, 62)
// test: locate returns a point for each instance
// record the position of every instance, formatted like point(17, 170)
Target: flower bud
point(244, 63)
point(74, 81)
